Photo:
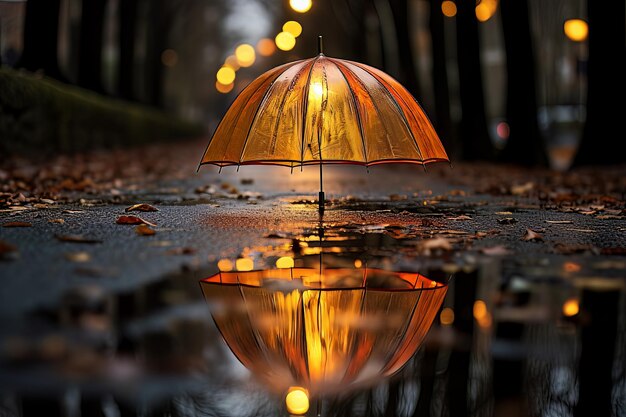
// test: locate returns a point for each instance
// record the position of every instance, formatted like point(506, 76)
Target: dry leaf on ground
point(507, 220)
point(141, 207)
point(495, 250)
point(78, 257)
point(559, 221)
point(144, 230)
point(133, 220)
point(531, 235)
point(17, 224)
point(77, 239)
point(459, 218)
point(57, 221)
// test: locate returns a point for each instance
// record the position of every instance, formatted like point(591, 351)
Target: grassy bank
point(41, 114)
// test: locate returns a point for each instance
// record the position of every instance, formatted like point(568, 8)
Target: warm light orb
point(245, 55)
point(293, 27)
point(266, 47)
point(317, 89)
point(285, 41)
point(225, 75)
point(448, 8)
point(480, 310)
point(571, 307)
point(284, 262)
point(446, 317)
point(301, 6)
point(224, 89)
point(297, 401)
point(224, 265)
point(358, 263)
point(482, 12)
point(503, 130)
point(244, 264)
point(231, 61)
point(576, 29)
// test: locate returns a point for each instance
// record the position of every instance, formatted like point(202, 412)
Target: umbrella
point(327, 331)
point(324, 111)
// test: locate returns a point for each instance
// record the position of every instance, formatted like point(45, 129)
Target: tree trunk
point(605, 78)
point(127, 31)
point(407, 71)
point(473, 130)
point(442, 120)
point(90, 48)
point(159, 22)
point(41, 40)
point(524, 146)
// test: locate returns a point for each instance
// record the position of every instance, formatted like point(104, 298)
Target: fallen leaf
point(459, 218)
point(522, 189)
point(450, 232)
point(609, 216)
point(507, 220)
point(18, 208)
point(619, 251)
point(141, 207)
point(559, 221)
point(181, 251)
point(495, 250)
point(78, 257)
point(17, 224)
point(144, 230)
point(77, 239)
point(581, 230)
point(531, 235)
point(57, 221)
point(46, 201)
point(132, 220)
point(73, 211)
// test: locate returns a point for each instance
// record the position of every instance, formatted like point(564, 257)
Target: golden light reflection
point(448, 8)
point(225, 75)
point(358, 263)
point(245, 55)
point(244, 264)
point(293, 27)
point(576, 29)
point(231, 61)
point(284, 262)
point(571, 307)
point(571, 267)
point(317, 90)
point(301, 6)
point(446, 317)
point(297, 401)
point(486, 9)
point(479, 310)
point(266, 47)
point(225, 265)
point(224, 89)
point(285, 41)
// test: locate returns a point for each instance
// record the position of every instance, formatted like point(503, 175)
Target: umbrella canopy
point(327, 332)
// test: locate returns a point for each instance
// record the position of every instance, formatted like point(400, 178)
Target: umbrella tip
point(320, 45)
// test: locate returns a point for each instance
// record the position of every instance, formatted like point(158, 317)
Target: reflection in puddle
point(328, 331)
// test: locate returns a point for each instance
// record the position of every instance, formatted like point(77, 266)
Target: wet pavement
point(101, 319)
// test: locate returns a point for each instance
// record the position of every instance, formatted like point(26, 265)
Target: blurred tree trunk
point(90, 47)
point(605, 78)
point(474, 135)
point(159, 22)
point(41, 40)
point(525, 145)
point(442, 120)
point(407, 71)
point(126, 63)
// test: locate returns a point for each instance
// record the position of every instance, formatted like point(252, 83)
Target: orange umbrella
point(324, 111)
point(327, 331)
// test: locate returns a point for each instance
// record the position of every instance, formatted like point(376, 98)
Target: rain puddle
point(335, 320)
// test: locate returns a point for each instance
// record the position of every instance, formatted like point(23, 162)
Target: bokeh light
point(231, 61)
point(293, 27)
point(297, 401)
point(571, 307)
point(224, 264)
point(245, 55)
point(576, 29)
point(301, 6)
point(285, 41)
point(169, 58)
point(224, 89)
point(571, 267)
point(479, 310)
point(266, 47)
point(244, 264)
point(446, 317)
point(284, 262)
point(358, 263)
point(225, 75)
point(486, 9)
point(503, 130)
point(448, 8)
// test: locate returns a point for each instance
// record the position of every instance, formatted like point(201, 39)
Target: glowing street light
point(285, 41)
point(576, 29)
point(293, 27)
point(297, 401)
point(245, 55)
point(225, 75)
point(448, 8)
point(571, 307)
point(301, 6)
point(485, 9)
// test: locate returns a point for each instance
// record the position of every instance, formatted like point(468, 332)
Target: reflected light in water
point(485, 9)
point(448, 8)
point(284, 262)
point(576, 29)
point(571, 267)
point(301, 6)
point(285, 41)
point(225, 75)
point(266, 47)
point(245, 55)
point(297, 401)
point(571, 307)
point(293, 27)
point(358, 263)
point(244, 264)
point(479, 310)
point(446, 317)
point(225, 265)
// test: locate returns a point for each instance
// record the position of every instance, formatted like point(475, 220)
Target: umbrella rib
point(356, 109)
point(256, 113)
point(395, 103)
point(305, 105)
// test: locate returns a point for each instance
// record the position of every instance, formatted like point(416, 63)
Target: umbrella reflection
point(327, 332)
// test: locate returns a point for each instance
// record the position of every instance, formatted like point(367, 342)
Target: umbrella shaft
point(321, 197)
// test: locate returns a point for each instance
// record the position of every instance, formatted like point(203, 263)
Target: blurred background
point(518, 81)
